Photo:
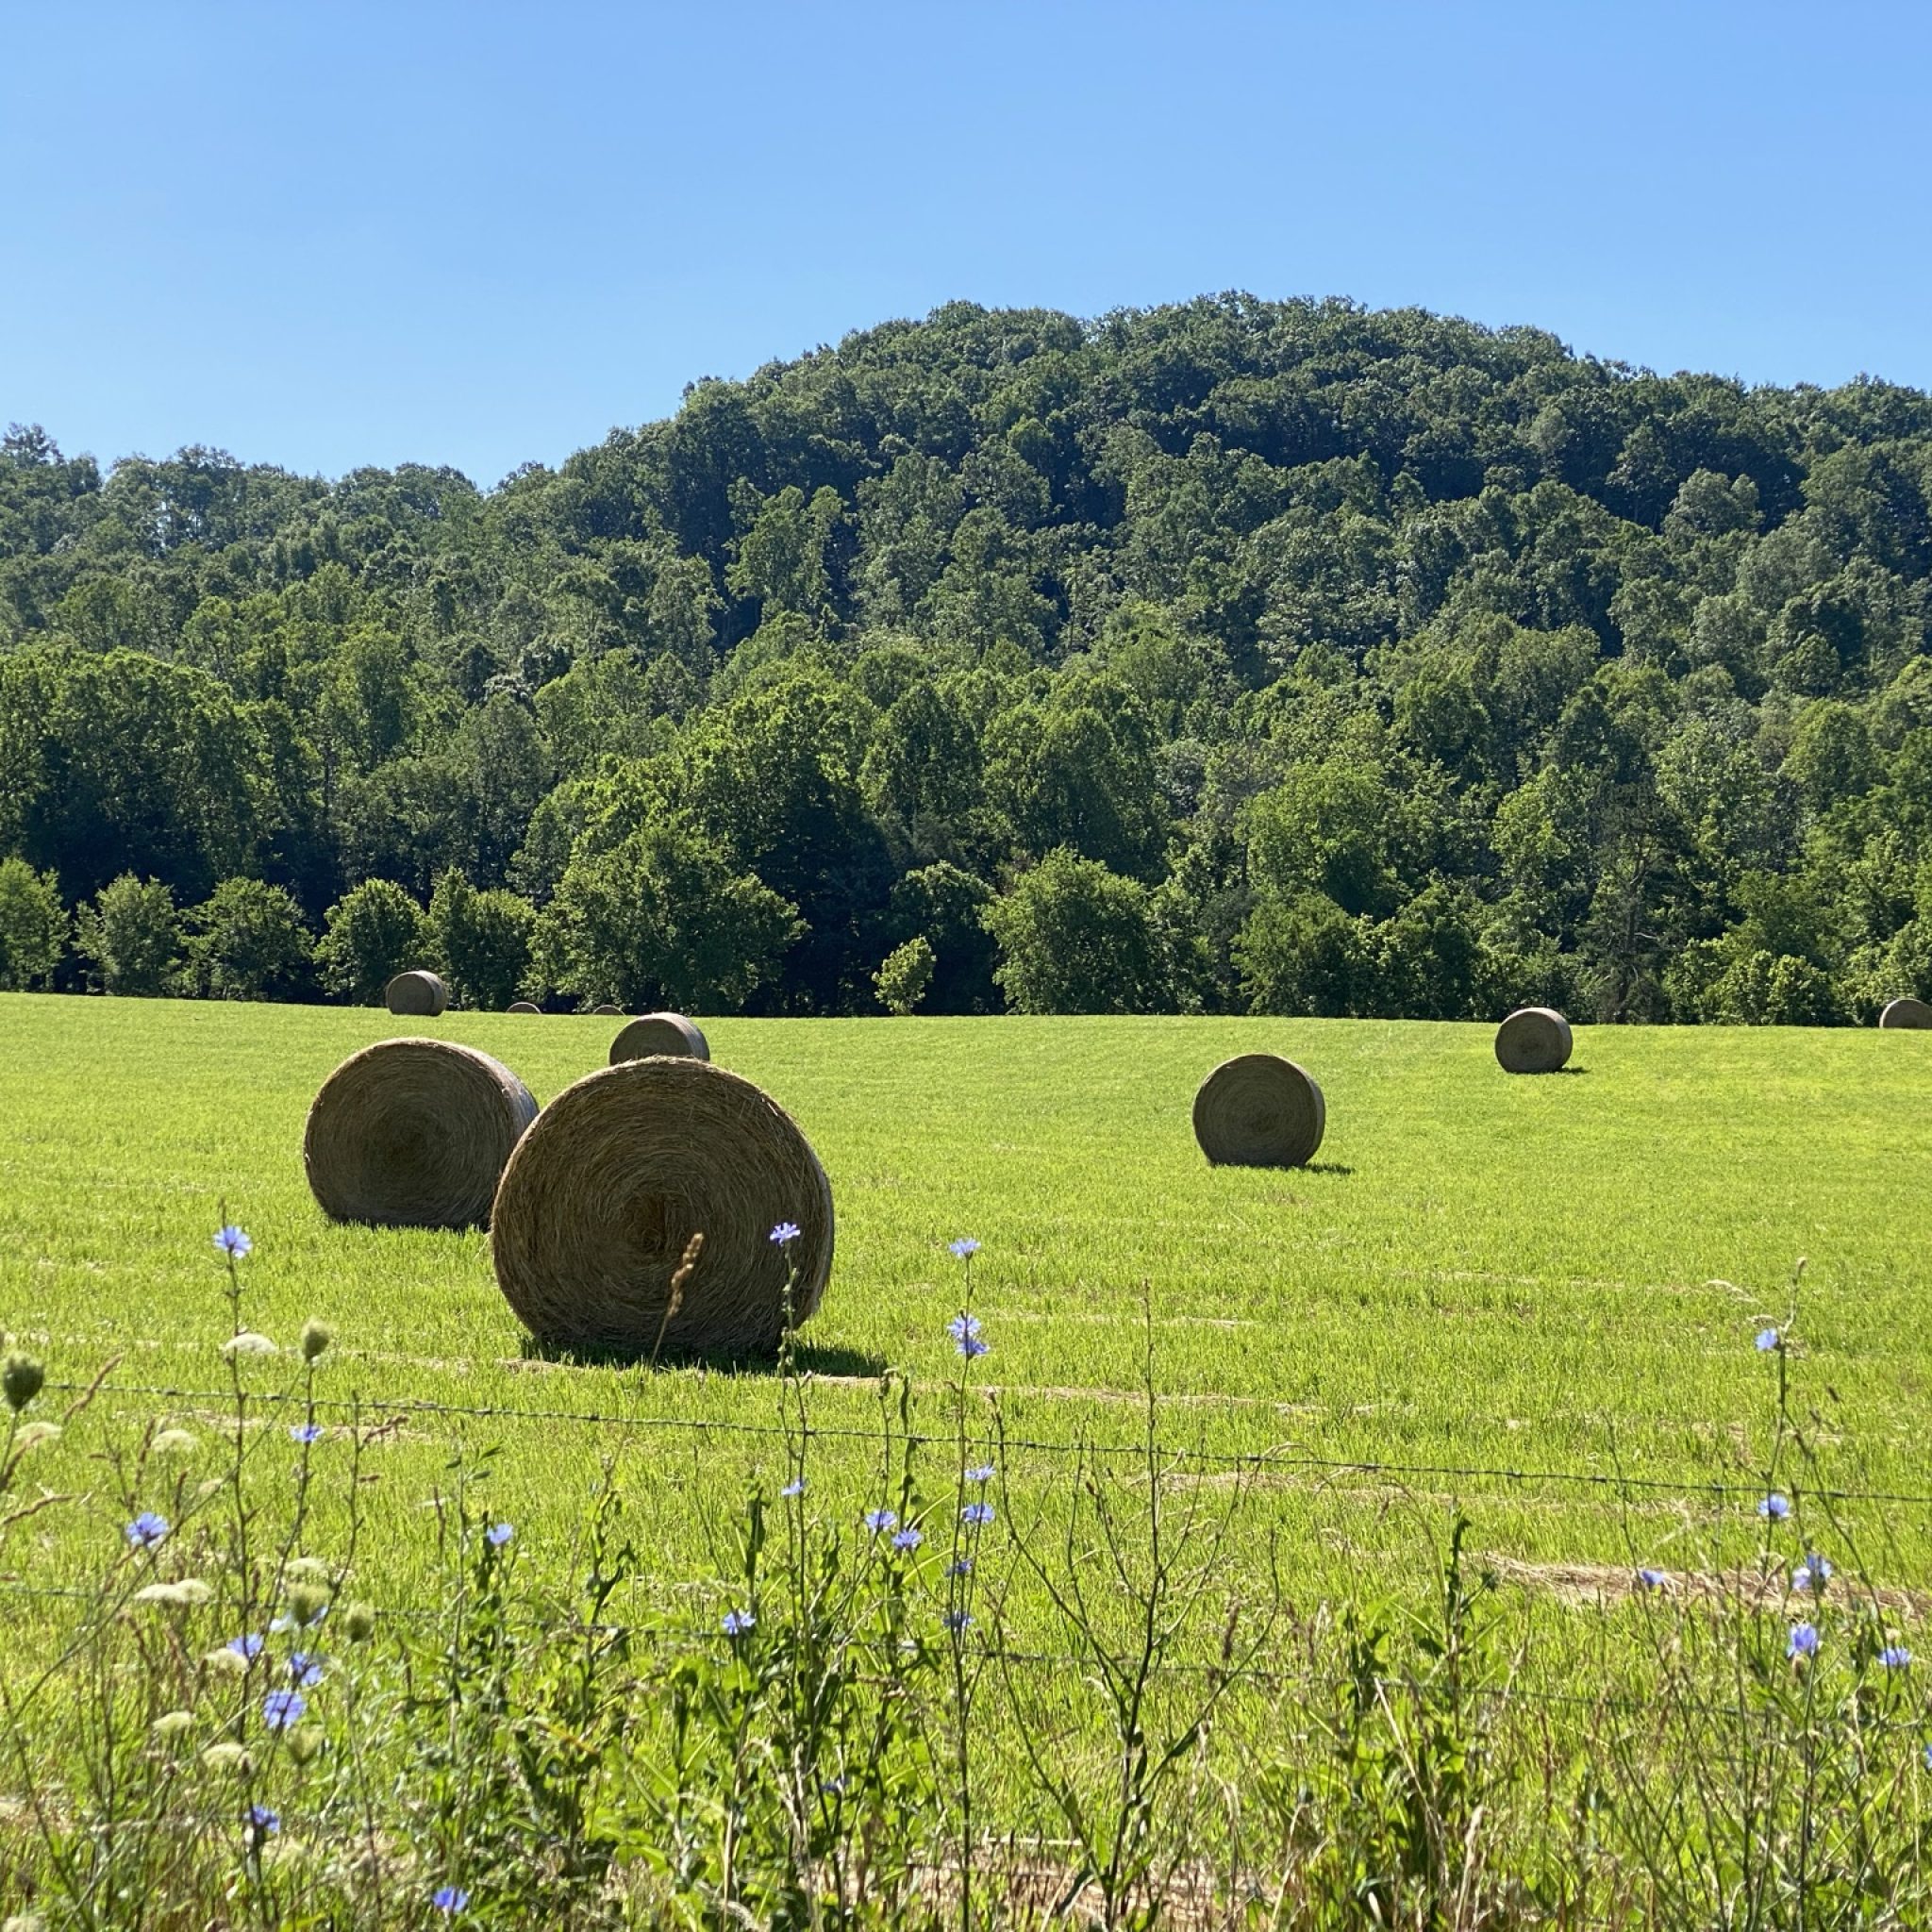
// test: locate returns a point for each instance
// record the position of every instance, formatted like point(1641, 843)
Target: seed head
point(307, 1604)
point(359, 1622)
point(316, 1337)
point(21, 1379)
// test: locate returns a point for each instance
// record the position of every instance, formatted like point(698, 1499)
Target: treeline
point(1234, 655)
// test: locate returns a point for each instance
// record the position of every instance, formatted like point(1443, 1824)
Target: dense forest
point(1234, 655)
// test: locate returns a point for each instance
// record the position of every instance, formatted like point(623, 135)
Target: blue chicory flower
point(1767, 1338)
point(736, 1622)
point(305, 1669)
point(982, 1475)
point(497, 1535)
point(794, 1488)
point(1775, 1507)
point(963, 1566)
point(1813, 1573)
point(786, 1233)
point(305, 1432)
point(965, 1248)
point(230, 1241)
point(281, 1708)
point(450, 1899)
point(263, 1821)
point(958, 1622)
point(1803, 1641)
point(908, 1539)
point(249, 1646)
point(146, 1530)
point(976, 1515)
point(1894, 1656)
point(879, 1521)
point(1651, 1580)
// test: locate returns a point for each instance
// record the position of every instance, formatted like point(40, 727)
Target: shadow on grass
point(1327, 1167)
point(808, 1357)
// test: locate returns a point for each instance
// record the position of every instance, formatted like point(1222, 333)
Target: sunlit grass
point(1480, 1273)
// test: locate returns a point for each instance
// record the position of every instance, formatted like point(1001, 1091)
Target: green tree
point(33, 926)
point(132, 934)
point(1306, 954)
point(663, 919)
point(375, 931)
point(1075, 938)
point(248, 942)
point(481, 940)
point(903, 976)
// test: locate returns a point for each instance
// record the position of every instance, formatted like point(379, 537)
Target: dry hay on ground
point(1260, 1110)
point(659, 1033)
point(1757, 1589)
point(1534, 1039)
point(414, 1133)
point(603, 1196)
point(416, 995)
point(523, 1007)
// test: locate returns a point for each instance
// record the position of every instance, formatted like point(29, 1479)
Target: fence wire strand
point(1252, 1461)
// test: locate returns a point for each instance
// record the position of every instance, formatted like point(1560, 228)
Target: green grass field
point(1481, 1273)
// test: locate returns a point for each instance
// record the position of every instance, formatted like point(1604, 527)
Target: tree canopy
point(1311, 658)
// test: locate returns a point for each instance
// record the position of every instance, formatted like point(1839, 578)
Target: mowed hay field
point(1480, 1275)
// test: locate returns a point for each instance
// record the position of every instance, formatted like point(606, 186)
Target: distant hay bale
point(414, 1133)
point(1260, 1110)
point(606, 1012)
point(420, 996)
point(605, 1192)
point(1534, 1039)
point(1911, 1015)
point(661, 1033)
point(525, 1007)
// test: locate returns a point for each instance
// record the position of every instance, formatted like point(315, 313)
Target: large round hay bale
point(1260, 1110)
point(605, 1192)
point(606, 1012)
point(525, 1007)
point(661, 1033)
point(414, 1133)
point(1534, 1039)
point(1910, 1015)
point(420, 996)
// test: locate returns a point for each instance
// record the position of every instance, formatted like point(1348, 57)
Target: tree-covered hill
point(1235, 655)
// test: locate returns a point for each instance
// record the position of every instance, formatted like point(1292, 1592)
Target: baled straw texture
point(1912, 1015)
point(1260, 1110)
point(523, 1007)
point(1534, 1039)
point(414, 1133)
point(602, 1195)
point(606, 1012)
point(420, 996)
point(663, 1033)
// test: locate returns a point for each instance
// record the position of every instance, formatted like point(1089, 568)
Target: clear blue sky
point(331, 234)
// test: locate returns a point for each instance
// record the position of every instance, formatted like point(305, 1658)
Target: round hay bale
point(661, 1033)
point(1908, 1014)
point(1260, 1110)
point(420, 996)
point(606, 1012)
point(1534, 1039)
point(525, 1007)
point(414, 1133)
point(602, 1195)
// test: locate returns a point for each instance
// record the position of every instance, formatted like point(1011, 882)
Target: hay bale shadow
point(809, 1359)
